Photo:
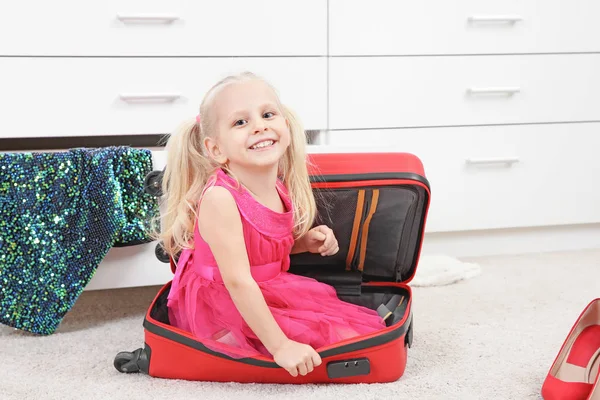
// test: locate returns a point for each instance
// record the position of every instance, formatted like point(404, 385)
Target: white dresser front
point(128, 96)
point(390, 92)
point(426, 27)
point(498, 177)
point(500, 99)
point(183, 28)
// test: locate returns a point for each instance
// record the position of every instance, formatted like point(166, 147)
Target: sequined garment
point(60, 213)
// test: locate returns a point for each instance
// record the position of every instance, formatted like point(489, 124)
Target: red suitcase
point(377, 207)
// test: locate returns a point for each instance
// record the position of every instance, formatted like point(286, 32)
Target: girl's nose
point(259, 126)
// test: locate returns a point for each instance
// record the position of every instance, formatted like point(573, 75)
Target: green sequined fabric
point(60, 213)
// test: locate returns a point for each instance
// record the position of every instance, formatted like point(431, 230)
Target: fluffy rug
point(440, 270)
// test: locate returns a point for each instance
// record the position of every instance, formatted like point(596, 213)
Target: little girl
point(239, 202)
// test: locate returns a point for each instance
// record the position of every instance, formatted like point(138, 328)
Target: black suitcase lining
point(394, 232)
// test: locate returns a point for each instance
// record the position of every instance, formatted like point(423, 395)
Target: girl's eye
point(240, 122)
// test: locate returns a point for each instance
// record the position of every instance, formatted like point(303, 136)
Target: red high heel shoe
point(595, 394)
point(574, 374)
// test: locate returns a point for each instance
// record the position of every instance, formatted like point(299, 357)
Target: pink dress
point(307, 311)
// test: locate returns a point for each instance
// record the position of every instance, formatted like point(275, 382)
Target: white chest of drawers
point(73, 71)
point(500, 99)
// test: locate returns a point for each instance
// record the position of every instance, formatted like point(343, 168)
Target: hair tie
point(198, 119)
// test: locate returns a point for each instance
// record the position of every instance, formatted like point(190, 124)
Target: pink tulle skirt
point(307, 311)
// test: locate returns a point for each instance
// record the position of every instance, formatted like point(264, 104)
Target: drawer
point(160, 27)
point(378, 92)
point(401, 27)
point(498, 176)
point(130, 266)
point(44, 97)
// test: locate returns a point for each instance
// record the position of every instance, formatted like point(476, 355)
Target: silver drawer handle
point(506, 19)
point(167, 19)
point(494, 90)
point(486, 161)
point(161, 97)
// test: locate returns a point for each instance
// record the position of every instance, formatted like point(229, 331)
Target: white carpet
point(441, 270)
point(490, 337)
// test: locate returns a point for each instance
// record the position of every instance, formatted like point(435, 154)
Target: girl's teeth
point(262, 144)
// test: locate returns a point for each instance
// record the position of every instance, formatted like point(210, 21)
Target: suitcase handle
point(347, 368)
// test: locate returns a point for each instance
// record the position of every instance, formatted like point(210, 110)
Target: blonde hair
point(188, 169)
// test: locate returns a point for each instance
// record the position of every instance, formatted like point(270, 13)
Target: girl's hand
point(297, 358)
point(321, 239)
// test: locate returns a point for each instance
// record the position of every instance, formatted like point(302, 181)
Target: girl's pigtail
point(295, 175)
point(185, 175)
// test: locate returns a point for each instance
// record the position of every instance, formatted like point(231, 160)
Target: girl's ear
point(213, 150)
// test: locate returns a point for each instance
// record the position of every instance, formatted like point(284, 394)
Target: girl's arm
point(299, 246)
point(319, 239)
point(221, 227)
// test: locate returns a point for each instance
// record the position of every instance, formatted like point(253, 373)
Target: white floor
point(491, 337)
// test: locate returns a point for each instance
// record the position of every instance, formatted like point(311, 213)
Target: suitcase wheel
point(153, 182)
point(129, 362)
point(161, 254)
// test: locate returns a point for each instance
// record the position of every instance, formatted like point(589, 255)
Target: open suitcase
point(376, 203)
